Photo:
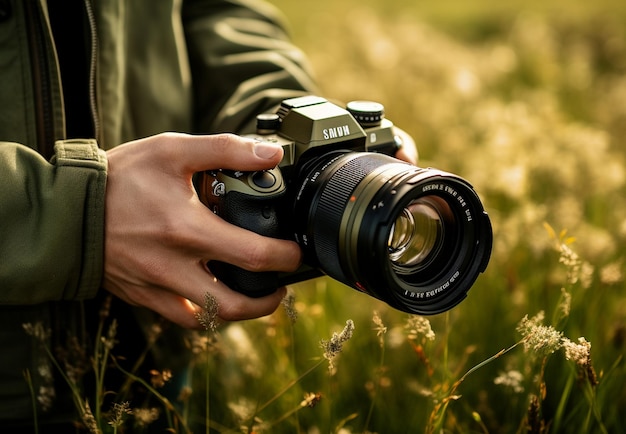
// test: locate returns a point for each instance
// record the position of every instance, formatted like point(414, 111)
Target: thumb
point(221, 151)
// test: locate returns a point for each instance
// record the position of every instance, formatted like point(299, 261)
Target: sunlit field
point(527, 101)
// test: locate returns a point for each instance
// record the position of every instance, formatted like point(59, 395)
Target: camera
point(415, 238)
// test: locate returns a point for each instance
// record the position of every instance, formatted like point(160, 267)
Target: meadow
point(526, 100)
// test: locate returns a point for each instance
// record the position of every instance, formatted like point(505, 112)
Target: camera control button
point(367, 113)
point(263, 180)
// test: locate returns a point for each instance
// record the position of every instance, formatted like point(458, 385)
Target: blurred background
point(526, 100)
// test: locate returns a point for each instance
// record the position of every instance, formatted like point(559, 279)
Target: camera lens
point(415, 238)
point(416, 233)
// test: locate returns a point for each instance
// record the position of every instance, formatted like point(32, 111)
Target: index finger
point(220, 151)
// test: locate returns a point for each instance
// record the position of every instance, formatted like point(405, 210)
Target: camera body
point(379, 225)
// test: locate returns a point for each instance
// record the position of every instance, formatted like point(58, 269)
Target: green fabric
point(168, 65)
point(52, 219)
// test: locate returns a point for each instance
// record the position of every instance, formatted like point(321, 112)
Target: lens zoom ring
point(327, 219)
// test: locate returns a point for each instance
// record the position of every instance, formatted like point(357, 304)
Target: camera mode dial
point(267, 123)
point(367, 113)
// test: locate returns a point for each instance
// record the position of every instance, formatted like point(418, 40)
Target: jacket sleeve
point(51, 222)
point(242, 62)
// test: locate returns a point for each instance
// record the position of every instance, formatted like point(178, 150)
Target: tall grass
point(525, 100)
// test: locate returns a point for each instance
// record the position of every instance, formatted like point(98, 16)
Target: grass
point(525, 100)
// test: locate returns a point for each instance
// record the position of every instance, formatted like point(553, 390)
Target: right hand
point(159, 236)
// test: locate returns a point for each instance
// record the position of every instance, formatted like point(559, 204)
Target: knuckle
point(240, 310)
point(168, 144)
point(233, 311)
point(223, 142)
point(258, 256)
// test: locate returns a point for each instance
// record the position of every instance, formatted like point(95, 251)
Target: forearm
point(242, 62)
point(51, 222)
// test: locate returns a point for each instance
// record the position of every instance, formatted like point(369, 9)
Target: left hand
point(408, 151)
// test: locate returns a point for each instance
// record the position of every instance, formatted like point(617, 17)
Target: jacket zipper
point(93, 69)
point(44, 122)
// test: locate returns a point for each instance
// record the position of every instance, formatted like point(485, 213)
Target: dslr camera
point(416, 238)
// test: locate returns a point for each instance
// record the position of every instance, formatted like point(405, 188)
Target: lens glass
point(417, 232)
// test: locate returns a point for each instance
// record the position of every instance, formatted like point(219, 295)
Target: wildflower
point(105, 309)
point(289, 303)
point(311, 399)
point(565, 303)
point(333, 347)
point(109, 340)
point(243, 408)
point(540, 339)
point(159, 378)
point(580, 353)
point(586, 274)
point(145, 416)
point(577, 352)
point(37, 331)
point(208, 315)
point(380, 328)
point(199, 343)
point(118, 412)
point(89, 420)
point(534, 422)
point(512, 379)
point(612, 273)
point(46, 396)
point(46, 393)
point(74, 359)
point(185, 393)
point(418, 325)
point(572, 262)
point(155, 330)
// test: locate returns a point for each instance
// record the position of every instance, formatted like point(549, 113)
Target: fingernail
point(266, 150)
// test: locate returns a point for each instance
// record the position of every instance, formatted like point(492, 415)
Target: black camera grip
point(257, 214)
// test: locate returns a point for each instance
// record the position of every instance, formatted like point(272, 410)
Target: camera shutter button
point(263, 179)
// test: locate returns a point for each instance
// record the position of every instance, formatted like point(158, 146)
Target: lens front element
point(416, 233)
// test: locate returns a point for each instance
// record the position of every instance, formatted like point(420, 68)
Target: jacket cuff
point(85, 154)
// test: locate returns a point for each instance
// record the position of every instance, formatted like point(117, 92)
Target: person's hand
point(408, 151)
point(159, 236)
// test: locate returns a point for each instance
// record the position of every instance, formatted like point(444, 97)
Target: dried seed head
point(289, 304)
point(37, 330)
point(419, 326)
point(512, 379)
point(118, 412)
point(145, 416)
point(332, 348)
point(538, 338)
point(208, 315)
point(379, 328)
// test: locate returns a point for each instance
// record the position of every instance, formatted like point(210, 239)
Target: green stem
point(593, 407)
point(376, 388)
point(29, 381)
point(208, 398)
point(169, 407)
point(558, 417)
point(289, 386)
point(439, 419)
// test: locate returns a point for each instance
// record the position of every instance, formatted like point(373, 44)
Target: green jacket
point(153, 65)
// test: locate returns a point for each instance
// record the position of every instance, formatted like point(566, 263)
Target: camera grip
point(258, 214)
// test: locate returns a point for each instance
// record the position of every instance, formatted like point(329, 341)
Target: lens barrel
point(415, 238)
